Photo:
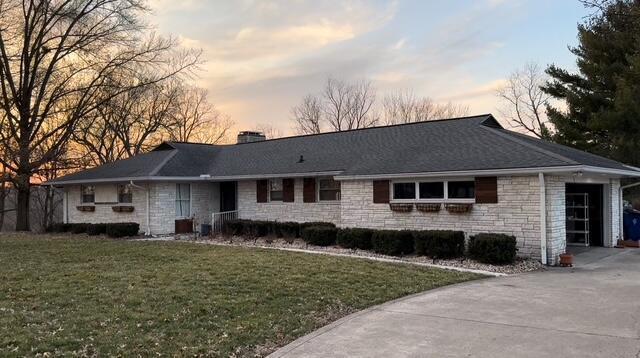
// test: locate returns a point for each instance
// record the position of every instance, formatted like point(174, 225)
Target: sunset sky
point(262, 57)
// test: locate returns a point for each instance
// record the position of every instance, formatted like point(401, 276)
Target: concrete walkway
point(592, 310)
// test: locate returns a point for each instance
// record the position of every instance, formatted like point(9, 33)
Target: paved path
point(592, 310)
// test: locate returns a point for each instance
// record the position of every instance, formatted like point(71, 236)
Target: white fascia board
point(510, 171)
point(191, 179)
point(469, 173)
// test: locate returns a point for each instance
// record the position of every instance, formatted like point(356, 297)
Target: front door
point(228, 196)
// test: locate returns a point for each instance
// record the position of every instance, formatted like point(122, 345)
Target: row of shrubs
point(255, 228)
point(115, 230)
point(497, 249)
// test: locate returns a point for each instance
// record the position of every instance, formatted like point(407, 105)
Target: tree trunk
point(22, 207)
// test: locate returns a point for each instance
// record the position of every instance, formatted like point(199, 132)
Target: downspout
point(543, 219)
point(621, 203)
point(146, 190)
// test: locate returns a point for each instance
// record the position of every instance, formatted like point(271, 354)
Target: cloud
point(263, 56)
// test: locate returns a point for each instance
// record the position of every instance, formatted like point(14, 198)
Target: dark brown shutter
point(288, 187)
point(262, 191)
point(486, 190)
point(309, 190)
point(380, 191)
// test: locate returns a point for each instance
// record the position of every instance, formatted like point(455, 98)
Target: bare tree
point(56, 58)
point(524, 101)
point(128, 124)
point(341, 106)
point(348, 106)
point(197, 120)
point(308, 115)
point(406, 107)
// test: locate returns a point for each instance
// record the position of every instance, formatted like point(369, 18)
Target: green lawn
point(82, 296)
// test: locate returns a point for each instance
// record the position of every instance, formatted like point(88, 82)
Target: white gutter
point(620, 198)
point(193, 178)
point(543, 219)
point(148, 230)
point(337, 176)
point(533, 170)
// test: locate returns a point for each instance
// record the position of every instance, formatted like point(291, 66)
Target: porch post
point(543, 219)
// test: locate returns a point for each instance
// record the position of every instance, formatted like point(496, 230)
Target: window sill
point(122, 208)
point(432, 201)
point(86, 208)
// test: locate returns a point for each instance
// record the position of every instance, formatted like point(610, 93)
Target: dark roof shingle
point(464, 144)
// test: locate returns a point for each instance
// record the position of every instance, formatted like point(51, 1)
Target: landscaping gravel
point(521, 265)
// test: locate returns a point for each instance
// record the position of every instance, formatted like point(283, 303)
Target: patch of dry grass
point(81, 296)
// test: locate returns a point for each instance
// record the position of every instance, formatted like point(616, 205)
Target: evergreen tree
point(602, 113)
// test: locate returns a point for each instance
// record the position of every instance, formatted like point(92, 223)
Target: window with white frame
point(431, 190)
point(183, 200)
point(88, 194)
point(434, 191)
point(275, 190)
point(328, 189)
point(404, 191)
point(125, 194)
point(461, 189)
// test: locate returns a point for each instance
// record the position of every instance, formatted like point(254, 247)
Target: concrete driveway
point(592, 310)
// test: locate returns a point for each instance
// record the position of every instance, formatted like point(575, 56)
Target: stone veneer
point(516, 213)
point(162, 195)
point(248, 208)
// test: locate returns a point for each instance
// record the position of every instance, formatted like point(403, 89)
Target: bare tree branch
point(62, 60)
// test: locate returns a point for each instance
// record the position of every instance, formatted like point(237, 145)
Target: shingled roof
point(466, 144)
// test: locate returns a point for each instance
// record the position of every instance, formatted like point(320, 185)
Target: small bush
point(233, 227)
point(391, 242)
point(257, 228)
point(59, 227)
point(495, 249)
point(440, 244)
point(96, 229)
point(287, 229)
point(78, 228)
point(122, 229)
point(355, 238)
point(319, 235)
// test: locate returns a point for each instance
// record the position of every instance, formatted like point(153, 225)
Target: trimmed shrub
point(319, 235)
point(122, 229)
point(59, 227)
point(96, 229)
point(233, 227)
point(495, 249)
point(286, 229)
point(78, 228)
point(391, 242)
point(355, 238)
point(442, 244)
point(257, 228)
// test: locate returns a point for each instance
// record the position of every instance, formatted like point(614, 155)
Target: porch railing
point(218, 220)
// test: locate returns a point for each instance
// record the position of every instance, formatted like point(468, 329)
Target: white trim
point(543, 218)
point(493, 172)
point(318, 200)
point(489, 172)
point(444, 199)
point(193, 178)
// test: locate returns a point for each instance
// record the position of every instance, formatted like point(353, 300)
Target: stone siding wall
point(516, 213)
point(249, 208)
point(103, 212)
point(556, 217)
point(162, 196)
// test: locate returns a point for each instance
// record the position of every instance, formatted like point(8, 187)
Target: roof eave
point(505, 171)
